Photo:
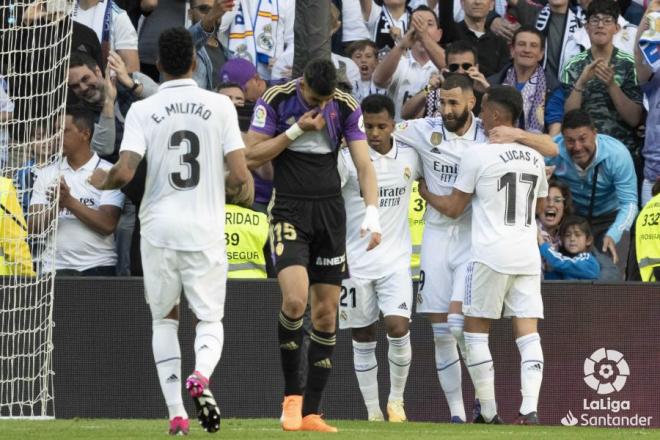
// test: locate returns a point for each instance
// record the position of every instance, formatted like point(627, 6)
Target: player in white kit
point(441, 144)
point(380, 279)
point(188, 135)
point(504, 182)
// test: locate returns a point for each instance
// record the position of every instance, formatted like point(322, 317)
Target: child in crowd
point(364, 54)
point(574, 260)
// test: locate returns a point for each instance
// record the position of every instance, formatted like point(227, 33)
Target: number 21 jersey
point(506, 180)
point(185, 132)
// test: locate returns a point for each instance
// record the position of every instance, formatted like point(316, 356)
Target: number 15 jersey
point(185, 133)
point(506, 180)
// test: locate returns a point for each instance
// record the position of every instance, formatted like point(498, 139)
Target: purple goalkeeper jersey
point(307, 169)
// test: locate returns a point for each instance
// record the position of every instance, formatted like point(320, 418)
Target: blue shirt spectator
point(24, 182)
point(573, 260)
point(583, 266)
point(651, 151)
point(616, 177)
point(600, 173)
point(649, 79)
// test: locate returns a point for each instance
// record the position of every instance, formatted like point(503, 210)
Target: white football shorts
point(362, 300)
point(491, 294)
point(444, 258)
point(201, 274)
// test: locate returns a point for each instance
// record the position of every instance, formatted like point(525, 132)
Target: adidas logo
point(536, 367)
point(435, 150)
point(323, 363)
point(172, 378)
point(291, 345)
point(403, 306)
point(204, 347)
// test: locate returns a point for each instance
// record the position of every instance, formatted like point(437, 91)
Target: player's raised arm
point(369, 187)
point(238, 172)
point(540, 142)
point(119, 175)
point(452, 205)
point(262, 147)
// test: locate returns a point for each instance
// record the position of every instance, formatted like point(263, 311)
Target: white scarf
point(575, 37)
point(649, 43)
point(101, 20)
point(251, 38)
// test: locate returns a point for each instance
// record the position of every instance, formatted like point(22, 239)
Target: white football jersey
point(408, 79)
point(77, 246)
point(185, 133)
point(440, 151)
point(506, 180)
point(395, 171)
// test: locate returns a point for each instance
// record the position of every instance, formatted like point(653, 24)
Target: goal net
point(35, 40)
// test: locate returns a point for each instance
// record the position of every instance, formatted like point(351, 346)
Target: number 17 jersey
point(185, 132)
point(506, 180)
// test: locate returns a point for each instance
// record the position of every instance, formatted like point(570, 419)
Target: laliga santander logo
point(569, 419)
point(606, 371)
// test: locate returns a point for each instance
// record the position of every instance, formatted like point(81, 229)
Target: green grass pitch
point(261, 429)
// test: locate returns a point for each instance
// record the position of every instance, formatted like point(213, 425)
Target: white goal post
point(35, 41)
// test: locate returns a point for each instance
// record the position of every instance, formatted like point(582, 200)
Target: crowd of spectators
point(577, 64)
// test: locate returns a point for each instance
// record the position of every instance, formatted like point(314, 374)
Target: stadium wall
point(104, 366)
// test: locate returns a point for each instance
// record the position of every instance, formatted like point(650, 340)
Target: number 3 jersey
point(395, 172)
point(506, 180)
point(185, 132)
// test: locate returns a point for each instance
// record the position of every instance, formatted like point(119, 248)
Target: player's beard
point(458, 122)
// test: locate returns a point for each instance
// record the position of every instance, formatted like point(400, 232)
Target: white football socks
point(456, 322)
point(167, 355)
point(531, 371)
point(480, 362)
point(399, 354)
point(448, 366)
point(366, 370)
point(209, 339)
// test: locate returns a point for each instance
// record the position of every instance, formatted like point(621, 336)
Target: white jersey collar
point(90, 165)
point(177, 83)
point(392, 154)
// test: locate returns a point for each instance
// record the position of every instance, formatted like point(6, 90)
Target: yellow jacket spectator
point(15, 257)
point(648, 238)
point(246, 232)
point(416, 223)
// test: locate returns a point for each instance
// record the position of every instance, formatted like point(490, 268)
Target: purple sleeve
point(354, 130)
point(264, 118)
